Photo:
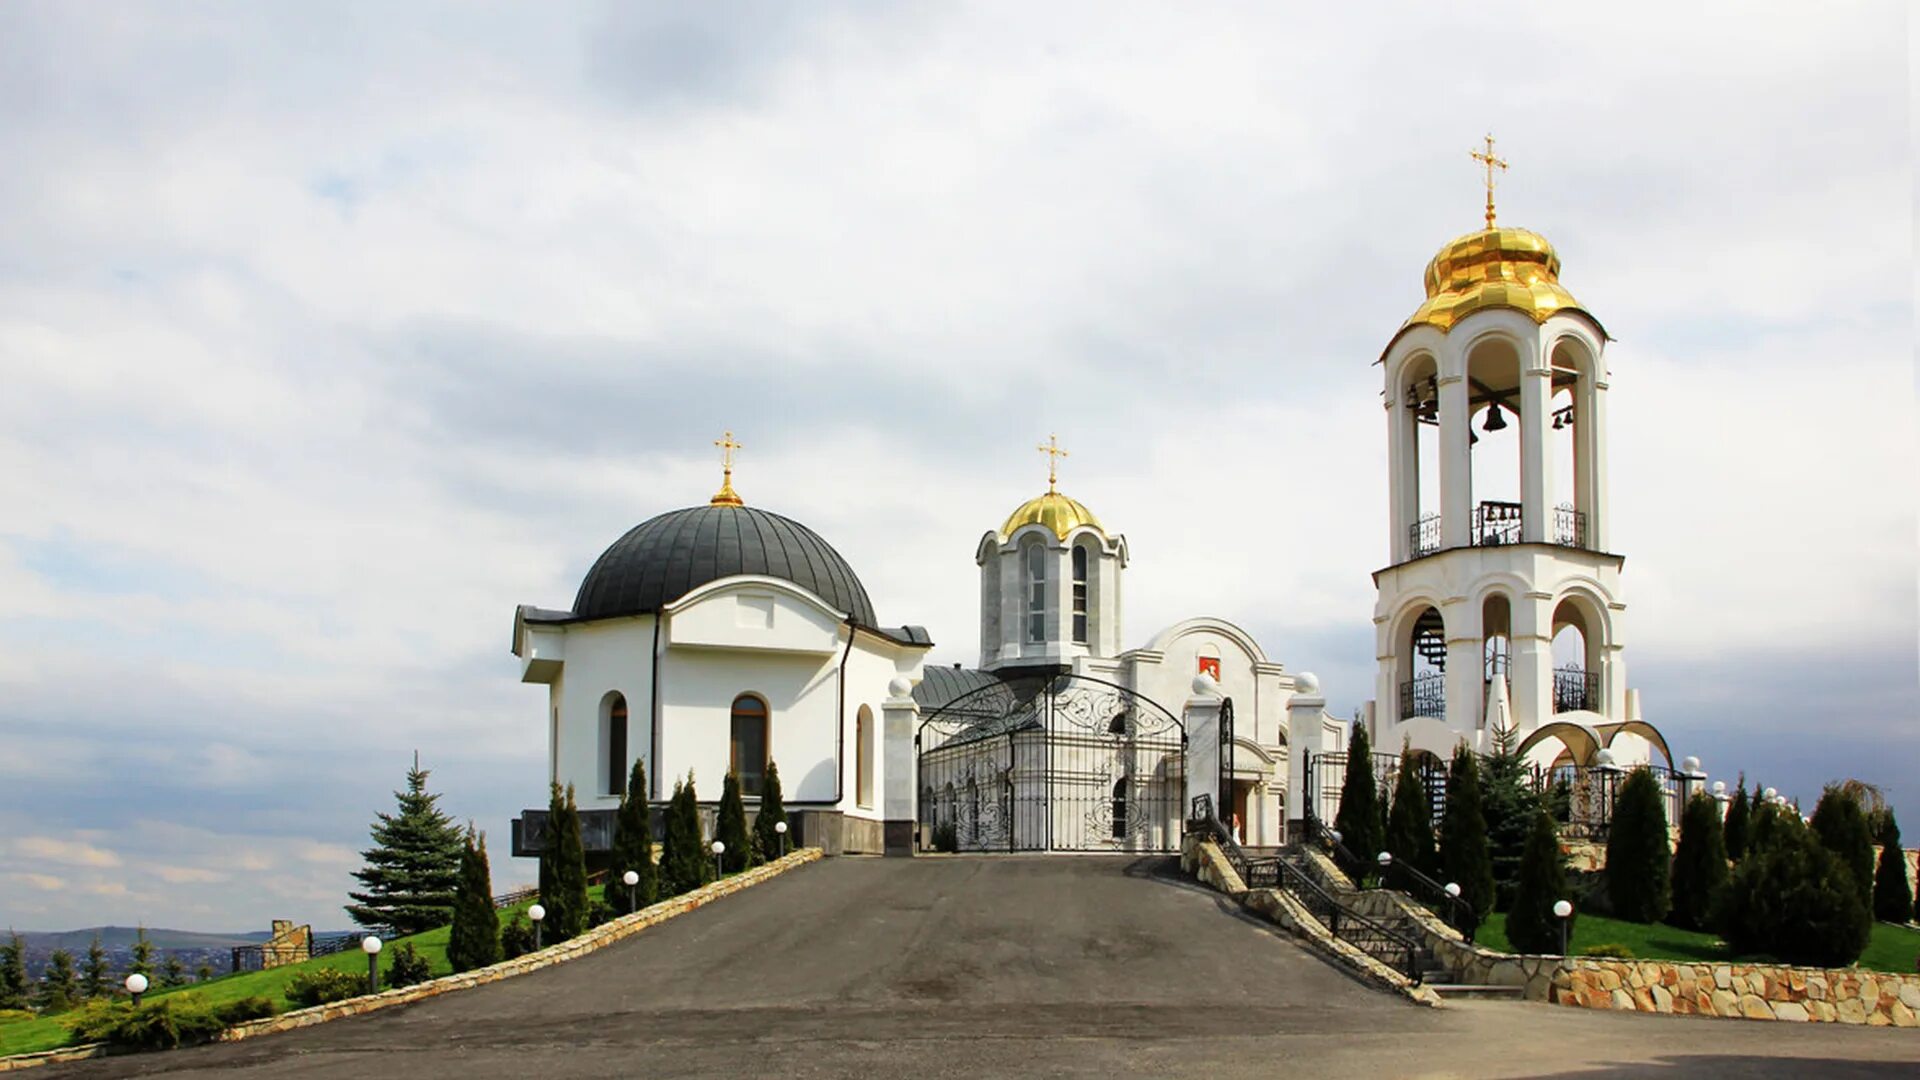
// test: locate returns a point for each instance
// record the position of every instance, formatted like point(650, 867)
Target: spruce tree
point(142, 963)
point(1892, 896)
point(1841, 826)
point(563, 871)
point(767, 842)
point(1532, 926)
point(633, 848)
point(413, 866)
point(59, 990)
point(1510, 806)
point(14, 990)
point(96, 972)
point(730, 828)
point(1410, 821)
point(1465, 858)
point(1699, 864)
point(1639, 860)
point(1359, 821)
point(173, 972)
point(1739, 824)
point(474, 940)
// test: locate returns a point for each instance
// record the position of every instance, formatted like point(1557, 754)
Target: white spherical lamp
point(371, 945)
point(1562, 909)
point(780, 827)
point(536, 913)
point(1770, 794)
point(1604, 758)
point(1453, 889)
point(1719, 788)
point(719, 847)
point(1690, 765)
point(1385, 858)
point(630, 878)
point(136, 984)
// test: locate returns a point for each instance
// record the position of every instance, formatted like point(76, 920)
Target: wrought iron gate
point(1051, 763)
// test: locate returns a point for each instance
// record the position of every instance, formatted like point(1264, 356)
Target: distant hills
point(115, 938)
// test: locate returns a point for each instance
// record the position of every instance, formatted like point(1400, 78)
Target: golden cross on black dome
point(726, 496)
point(1051, 448)
point(1491, 163)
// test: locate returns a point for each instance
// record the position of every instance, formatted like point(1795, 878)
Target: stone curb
point(590, 942)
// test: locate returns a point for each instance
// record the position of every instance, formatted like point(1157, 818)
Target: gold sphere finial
point(726, 496)
point(1051, 448)
point(1491, 162)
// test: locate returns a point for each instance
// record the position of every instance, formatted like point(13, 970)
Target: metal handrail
point(1460, 913)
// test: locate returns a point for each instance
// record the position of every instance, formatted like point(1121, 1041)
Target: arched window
point(1036, 593)
point(748, 759)
point(863, 757)
point(1120, 809)
point(613, 744)
point(1079, 594)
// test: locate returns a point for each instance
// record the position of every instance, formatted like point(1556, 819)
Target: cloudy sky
point(330, 333)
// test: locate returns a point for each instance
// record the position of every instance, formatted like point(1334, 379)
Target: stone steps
point(1459, 991)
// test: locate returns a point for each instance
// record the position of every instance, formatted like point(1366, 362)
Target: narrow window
point(1120, 809)
point(749, 752)
point(863, 757)
point(1036, 593)
point(1079, 595)
point(617, 745)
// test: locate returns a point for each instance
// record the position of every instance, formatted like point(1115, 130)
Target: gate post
point(1306, 736)
point(1207, 755)
point(900, 720)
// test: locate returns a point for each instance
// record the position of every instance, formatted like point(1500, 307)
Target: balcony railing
point(1575, 689)
point(1570, 527)
point(1425, 695)
point(1495, 523)
point(1423, 536)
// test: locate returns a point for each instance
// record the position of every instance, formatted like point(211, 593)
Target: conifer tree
point(14, 991)
point(730, 828)
point(203, 973)
point(1465, 858)
point(413, 866)
point(1738, 830)
point(1892, 896)
point(96, 973)
point(58, 989)
point(173, 972)
point(1841, 826)
point(142, 962)
point(1410, 821)
point(633, 848)
point(474, 940)
point(1510, 805)
point(1360, 822)
point(563, 870)
point(1639, 861)
point(1794, 900)
point(767, 842)
point(1699, 864)
point(695, 861)
point(1762, 818)
point(1532, 926)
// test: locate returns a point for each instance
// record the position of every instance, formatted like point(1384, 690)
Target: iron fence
point(1575, 689)
point(1424, 695)
point(1496, 524)
point(1569, 527)
point(1423, 536)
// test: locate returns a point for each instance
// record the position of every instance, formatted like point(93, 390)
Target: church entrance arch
point(1051, 762)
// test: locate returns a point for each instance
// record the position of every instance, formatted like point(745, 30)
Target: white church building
point(724, 637)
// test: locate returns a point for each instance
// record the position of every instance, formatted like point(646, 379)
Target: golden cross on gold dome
point(1052, 449)
point(1491, 163)
point(726, 496)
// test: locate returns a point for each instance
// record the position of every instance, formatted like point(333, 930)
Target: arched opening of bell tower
point(1493, 440)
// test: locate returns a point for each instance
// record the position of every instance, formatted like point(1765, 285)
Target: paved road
point(995, 966)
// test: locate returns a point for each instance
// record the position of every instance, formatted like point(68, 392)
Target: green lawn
point(1892, 948)
point(46, 1033)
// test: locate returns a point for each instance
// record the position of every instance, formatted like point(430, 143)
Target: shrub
point(7, 1015)
point(516, 938)
point(1638, 859)
point(1841, 826)
point(1892, 896)
point(320, 986)
point(1410, 821)
point(1608, 950)
point(408, 966)
point(1465, 858)
point(1794, 900)
point(1532, 926)
point(162, 1023)
point(599, 911)
point(946, 836)
point(1738, 827)
point(1699, 865)
point(1359, 822)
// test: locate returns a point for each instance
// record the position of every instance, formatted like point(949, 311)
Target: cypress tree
point(58, 988)
point(683, 858)
point(13, 973)
point(1892, 896)
point(474, 940)
point(1510, 805)
point(1762, 818)
point(1410, 821)
point(142, 962)
point(699, 861)
point(731, 826)
point(96, 973)
point(1639, 862)
point(1842, 827)
point(1699, 864)
point(1532, 926)
point(633, 848)
point(414, 864)
point(1739, 824)
point(563, 889)
point(1359, 822)
point(766, 839)
point(1465, 858)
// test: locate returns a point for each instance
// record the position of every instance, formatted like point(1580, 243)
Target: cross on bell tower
point(1491, 163)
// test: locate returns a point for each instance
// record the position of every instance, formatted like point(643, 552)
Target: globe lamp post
point(780, 829)
point(632, 879)
point(1562, 911)
point(719, 848)
point(136, 985)
point(371, 945)
point(537, 914)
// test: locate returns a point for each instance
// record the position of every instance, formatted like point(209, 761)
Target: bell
point(1496, 420)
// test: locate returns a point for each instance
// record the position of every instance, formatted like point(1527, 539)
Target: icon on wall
point(1210, 665)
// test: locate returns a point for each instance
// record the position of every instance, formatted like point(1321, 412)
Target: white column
point(1013, 603)
point(900, 721)
point(1532, 663)
point(1466, 668)
point(1536, 452)
point(1401, 462)
point(1595, 441)
point(1456, 464)
point(1306, 716)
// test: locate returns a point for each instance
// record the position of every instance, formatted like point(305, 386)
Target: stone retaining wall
point(1750, 991)
point(592, 941)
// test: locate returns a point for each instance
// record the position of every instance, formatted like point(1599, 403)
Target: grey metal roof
point(939, 686)
point(662, 559)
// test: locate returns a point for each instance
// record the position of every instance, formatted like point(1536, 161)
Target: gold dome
point(1493, 268)
point(1055, 511)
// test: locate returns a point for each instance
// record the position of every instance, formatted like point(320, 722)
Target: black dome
point(664, 558)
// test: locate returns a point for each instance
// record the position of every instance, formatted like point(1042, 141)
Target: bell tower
point(1501, 595)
